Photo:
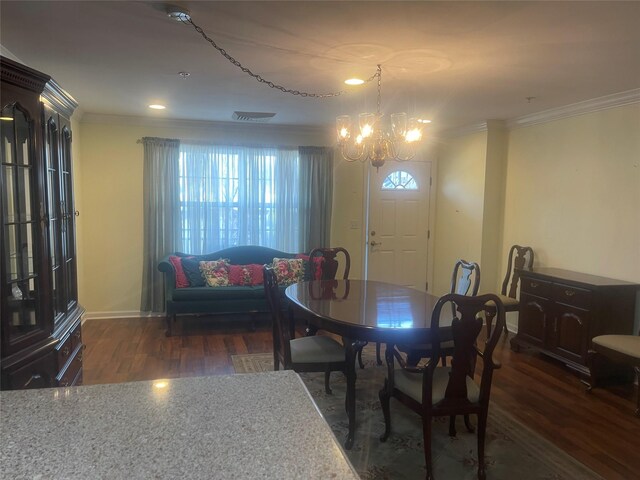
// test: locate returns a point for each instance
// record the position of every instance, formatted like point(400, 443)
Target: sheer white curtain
point(238, 195)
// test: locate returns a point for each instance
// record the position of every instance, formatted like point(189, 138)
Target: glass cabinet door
point(61, 214)
point(68, 219)
point(22, 315)
point(52, 150)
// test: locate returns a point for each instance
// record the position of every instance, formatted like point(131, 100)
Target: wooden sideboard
point(561, 311)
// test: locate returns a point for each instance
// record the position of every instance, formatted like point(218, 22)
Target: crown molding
point(464, 130)
point(99, 118)
point(629, 97)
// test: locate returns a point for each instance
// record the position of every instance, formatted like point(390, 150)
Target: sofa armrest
point(166, 267)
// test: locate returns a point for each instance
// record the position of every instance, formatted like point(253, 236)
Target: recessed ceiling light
point(156, 106)
point(423, 120)
point(354, 81)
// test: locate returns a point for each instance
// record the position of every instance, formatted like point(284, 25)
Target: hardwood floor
point(598, 429)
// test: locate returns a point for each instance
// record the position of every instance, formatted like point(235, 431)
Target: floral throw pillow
point(288, 270)
point(216, 272)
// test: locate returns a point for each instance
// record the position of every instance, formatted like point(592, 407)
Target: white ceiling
point(457, 63)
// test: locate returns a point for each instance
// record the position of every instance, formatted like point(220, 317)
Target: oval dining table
point(365, 310)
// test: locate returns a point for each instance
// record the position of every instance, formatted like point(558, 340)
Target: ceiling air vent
point(260, 117)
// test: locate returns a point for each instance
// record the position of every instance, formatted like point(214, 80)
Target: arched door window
point(399, 180)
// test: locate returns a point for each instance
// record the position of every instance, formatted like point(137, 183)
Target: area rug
point(512, 449)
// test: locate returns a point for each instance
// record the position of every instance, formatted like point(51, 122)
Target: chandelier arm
point(399, 158)
point(359, 156)
point(259, 78)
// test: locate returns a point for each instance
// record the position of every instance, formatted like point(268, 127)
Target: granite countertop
point(221, 427)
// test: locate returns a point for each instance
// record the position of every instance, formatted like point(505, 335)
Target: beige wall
point(459, 205)
point(348, 191)
point(573, 193)
point(111, 229)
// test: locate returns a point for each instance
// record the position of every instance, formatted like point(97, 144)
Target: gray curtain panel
point(161, 215)
point(316, 196)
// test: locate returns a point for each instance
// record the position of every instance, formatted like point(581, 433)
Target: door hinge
point(430, 181)
point(426, 286)
point(428, 234)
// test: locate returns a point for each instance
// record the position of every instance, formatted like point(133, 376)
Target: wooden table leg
point(350, 401)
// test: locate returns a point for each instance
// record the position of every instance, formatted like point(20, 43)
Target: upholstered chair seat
point(628, 345)
point(506, 301)
point(620, 349)
point(411, 384)
point(316, 349)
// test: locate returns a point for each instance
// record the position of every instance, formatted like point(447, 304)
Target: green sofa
point(218, 300)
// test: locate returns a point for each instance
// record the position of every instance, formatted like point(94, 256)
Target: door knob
point(374, 243)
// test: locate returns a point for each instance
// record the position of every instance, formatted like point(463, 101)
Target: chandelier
point(375, 144)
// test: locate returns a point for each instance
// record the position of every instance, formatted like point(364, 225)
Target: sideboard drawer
point(536, 287)
point(569, 295)
point(68, 375)
point(64, 351)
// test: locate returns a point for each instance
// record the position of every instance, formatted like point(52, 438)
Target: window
point(238, 196)
point(399, 180)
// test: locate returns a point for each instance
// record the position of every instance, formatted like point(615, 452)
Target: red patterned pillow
point(244, 275)
point(181, 279)
point(317, 265)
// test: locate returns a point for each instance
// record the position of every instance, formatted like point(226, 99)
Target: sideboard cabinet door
point(533, 318)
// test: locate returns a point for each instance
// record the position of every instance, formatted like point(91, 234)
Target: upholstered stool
point(623, 349)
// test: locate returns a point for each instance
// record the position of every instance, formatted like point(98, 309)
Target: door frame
point(366, 188)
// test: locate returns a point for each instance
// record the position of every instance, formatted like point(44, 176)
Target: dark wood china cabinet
point(41, 341)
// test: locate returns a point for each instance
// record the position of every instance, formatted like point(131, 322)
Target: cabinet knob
point(569, 293)
point(77, 334)
point(76, 213)
point(65, 351)
point(534, 284)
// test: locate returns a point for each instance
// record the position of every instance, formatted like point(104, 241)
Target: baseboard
point(120, 314)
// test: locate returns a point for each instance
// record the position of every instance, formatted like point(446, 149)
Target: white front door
point(398, 223)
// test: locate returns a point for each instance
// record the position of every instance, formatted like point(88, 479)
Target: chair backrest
point(465, 279)
point(519, 257)
point(330, 264)
point(465, 274)
point(465, 329)
point(281, 331)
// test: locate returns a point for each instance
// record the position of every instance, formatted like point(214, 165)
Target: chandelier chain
point(270, 84)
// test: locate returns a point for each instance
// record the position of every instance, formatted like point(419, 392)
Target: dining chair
point(619, 349)
point(520, 258)
point(465, 280)
point(318, 353)
point(433, 390)
point(330, 264)
point(329, 267)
